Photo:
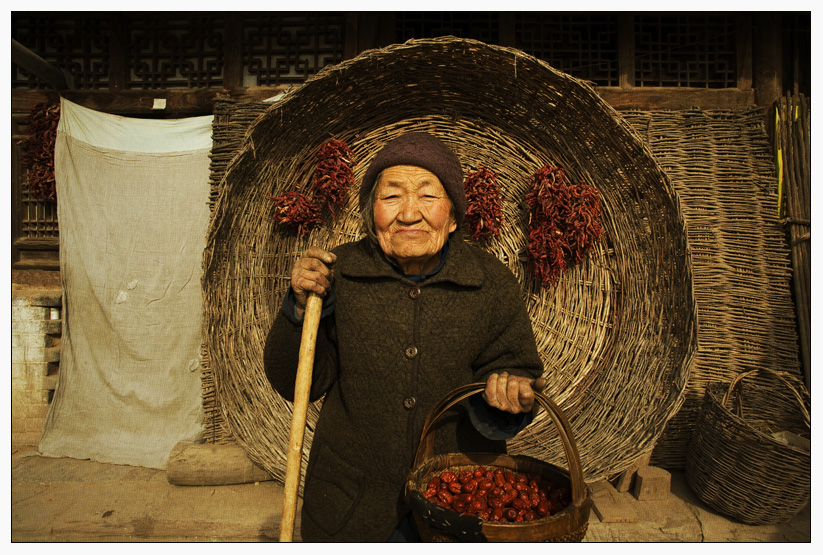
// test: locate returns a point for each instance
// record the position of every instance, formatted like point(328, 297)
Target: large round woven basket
point(747, 458)
point(616, 334)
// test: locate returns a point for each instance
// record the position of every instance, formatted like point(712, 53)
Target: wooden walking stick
point(302, 386)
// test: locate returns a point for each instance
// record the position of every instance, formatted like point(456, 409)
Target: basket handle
point(426, 447)
point(782, 376)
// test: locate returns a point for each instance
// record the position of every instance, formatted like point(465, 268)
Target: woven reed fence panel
point(616, 334)
point(722, 166)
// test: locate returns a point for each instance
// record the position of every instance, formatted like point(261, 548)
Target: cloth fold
point(133, 211)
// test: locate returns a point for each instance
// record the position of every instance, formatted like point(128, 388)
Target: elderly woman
point(410, 312)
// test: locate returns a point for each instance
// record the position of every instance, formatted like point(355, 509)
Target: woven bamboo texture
point(616, 334)
point(722, 165)
point(736, 465)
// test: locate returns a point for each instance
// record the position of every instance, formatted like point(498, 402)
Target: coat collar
point(462, 265)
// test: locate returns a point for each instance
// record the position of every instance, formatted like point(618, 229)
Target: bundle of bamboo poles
point(793, 149)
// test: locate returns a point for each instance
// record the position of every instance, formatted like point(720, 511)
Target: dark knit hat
point(425, 151)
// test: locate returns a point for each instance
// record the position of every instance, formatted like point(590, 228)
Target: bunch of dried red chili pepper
point(333, 177)
point(37, 150)
point(564, 222)
point(483, 213)
point(295, 209)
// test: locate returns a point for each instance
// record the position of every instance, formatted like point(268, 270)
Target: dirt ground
point(69, 500)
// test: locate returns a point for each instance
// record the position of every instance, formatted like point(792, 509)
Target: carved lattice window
point(582, 45)
point(175, 52)
point(76, 43)
point(685, 51)
point(39, 217)
point(283, 48)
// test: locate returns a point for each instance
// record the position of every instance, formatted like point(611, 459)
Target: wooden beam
point(189, 102)
point(179, 102)
point(39, 67)
point(675, 98)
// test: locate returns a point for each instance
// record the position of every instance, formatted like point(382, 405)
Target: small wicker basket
point(440, 525)
point(735, 462)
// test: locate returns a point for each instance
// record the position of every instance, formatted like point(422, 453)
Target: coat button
point(410, 352)
point(409, 402)
point(414, 292)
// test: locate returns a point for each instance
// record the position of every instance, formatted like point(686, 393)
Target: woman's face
point(412, 217)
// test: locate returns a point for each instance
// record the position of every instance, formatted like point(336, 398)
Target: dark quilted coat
point(390, 350)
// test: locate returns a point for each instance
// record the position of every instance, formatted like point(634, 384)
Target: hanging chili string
point(295, 209)
point(483, 213)
point(37, 150)
point(334, 174)
point(564, 223)
point(333, 177)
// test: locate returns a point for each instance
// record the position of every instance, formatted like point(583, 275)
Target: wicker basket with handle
point(438, 524)
point(737, 461)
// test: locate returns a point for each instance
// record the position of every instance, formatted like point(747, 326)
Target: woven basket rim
point(714, 394)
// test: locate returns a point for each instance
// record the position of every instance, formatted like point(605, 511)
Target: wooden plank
point(186, 102)
point(37, 243)
point(675, 98)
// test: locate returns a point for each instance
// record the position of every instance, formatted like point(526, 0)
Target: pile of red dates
point(497, 495)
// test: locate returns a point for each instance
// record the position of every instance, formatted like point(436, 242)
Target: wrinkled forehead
point(407, 176)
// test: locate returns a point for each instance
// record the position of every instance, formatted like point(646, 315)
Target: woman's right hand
point(312, 273)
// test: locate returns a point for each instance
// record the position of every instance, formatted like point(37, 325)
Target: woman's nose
point(410, 211)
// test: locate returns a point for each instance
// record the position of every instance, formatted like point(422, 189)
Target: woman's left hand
point(514, 394)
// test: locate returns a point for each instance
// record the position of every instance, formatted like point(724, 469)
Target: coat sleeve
point(282, 349)
point(512, 347)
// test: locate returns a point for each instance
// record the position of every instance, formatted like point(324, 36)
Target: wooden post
point(118, 68)
point(625, 51)
point(766, 55)
point(232, 53)
point(744, 52)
